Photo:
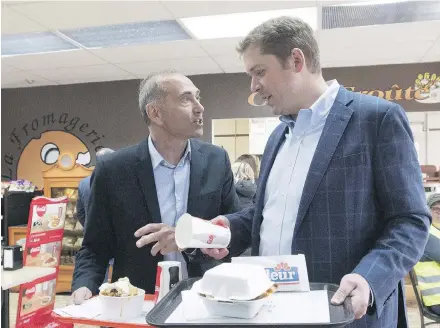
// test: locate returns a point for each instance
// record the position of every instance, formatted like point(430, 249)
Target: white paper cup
point(192, 232)
point(122, 308)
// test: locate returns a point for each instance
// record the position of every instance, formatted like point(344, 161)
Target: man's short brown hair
point(278, 36)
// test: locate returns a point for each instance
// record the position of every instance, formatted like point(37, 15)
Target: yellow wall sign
point(426, 90)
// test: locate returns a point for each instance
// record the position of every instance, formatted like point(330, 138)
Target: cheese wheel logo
point(41, 210)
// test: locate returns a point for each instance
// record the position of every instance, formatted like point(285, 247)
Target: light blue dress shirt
point(172, 186)
point(288, 174)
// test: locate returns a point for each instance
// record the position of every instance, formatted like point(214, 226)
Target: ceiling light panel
point(375, 13)
point(30, 43)
point(127, 34)
point(239, 24)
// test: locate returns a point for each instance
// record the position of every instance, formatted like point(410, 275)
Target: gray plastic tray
point(340, 315)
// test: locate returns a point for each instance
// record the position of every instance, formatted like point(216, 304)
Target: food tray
point(340, 315)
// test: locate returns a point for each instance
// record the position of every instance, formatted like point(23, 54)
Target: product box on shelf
point(43, 249)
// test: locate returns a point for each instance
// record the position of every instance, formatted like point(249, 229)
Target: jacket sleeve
point(401, 198)
point(80, 210)
point(99, 238)
point(230, 200)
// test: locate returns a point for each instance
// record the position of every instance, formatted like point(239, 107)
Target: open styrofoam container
point(234, 282)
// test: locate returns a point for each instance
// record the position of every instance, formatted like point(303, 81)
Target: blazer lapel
point(334, 128)
point(196, 172)
point(145, 175)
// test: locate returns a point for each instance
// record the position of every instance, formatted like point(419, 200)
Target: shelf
point(21, 276)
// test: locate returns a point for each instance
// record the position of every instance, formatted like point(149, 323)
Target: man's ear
point(298, 60)
point(153, 112)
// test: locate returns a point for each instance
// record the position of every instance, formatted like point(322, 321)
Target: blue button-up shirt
point(172, 186)
point(288, 174)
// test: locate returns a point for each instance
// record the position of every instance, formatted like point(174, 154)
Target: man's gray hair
point(152, 90)
point(104, 151)
point(278, 36)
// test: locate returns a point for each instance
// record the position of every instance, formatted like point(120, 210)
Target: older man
point(139, 192)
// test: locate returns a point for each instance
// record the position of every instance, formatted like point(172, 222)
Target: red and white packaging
point(43, 248)
point(168, 274)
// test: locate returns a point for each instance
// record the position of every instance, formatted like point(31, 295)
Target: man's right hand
point(80, 295)
point(218, 253)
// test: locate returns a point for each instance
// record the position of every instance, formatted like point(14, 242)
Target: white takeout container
point(192, 232)
point(235, 309)
point(122, 308)
point(234, 282)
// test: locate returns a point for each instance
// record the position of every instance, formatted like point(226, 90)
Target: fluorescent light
point(369, 3)
point(239, 24)
point(127, 34)
point(32, 43)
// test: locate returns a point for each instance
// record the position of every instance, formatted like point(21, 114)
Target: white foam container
point(236, 309)
point(122, 308)
point(234, 282)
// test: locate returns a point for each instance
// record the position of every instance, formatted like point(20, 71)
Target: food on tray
point(121, 288)
point(235, 290)
point(235, 282)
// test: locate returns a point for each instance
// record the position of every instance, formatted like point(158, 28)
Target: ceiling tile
point(234, 69)
point(180, 9)
point(7, 69)
point(14, 23)
point(201, 71)
point(181, 65)
point(369, 52)
point(220, 46)
point(96, 79)
point(73, 58)
point(167, 50)
point(380, 34)
point(230, 60)
point(71, 14)
point(24, 78)
point(86, 72)
point(433, 54)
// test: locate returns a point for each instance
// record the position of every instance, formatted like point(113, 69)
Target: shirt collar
point(321, 107)
point(157, 159)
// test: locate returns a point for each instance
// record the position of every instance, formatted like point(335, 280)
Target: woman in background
point(244, 180)
point(253, 161)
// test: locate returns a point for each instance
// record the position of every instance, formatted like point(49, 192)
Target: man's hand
point(80, 295)
point(355, 286)
point(218, 253)
point(161, 234)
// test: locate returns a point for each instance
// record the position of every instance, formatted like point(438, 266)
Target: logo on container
point(283, 274)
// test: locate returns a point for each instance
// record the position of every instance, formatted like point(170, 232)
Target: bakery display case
point(62, 179)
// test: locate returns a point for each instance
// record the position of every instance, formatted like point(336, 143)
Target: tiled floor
point(62, 300)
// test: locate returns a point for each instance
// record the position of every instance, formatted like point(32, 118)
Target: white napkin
point(91, 309)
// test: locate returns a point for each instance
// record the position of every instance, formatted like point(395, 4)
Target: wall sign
point(36, 145)
point(425, 90)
